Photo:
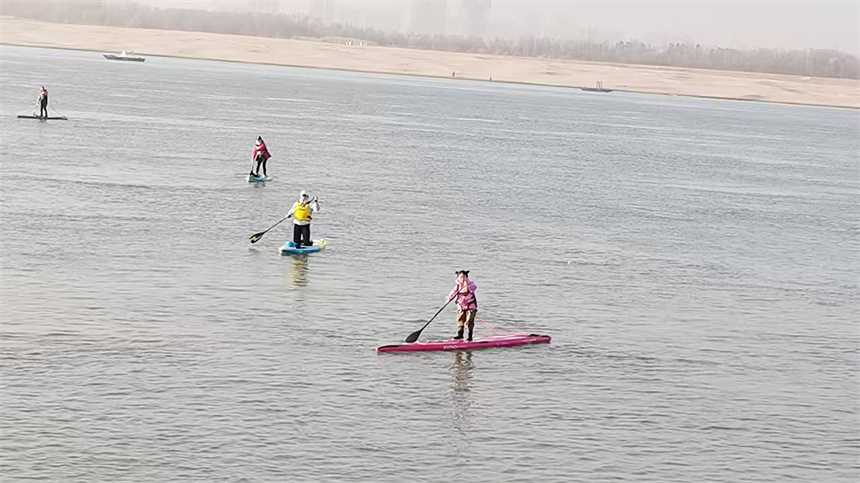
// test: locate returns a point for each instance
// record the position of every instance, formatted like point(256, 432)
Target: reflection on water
point(461, 390)
point(299, 270)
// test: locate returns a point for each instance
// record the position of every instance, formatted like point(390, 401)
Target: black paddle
point(414, 336)
point(256, 236)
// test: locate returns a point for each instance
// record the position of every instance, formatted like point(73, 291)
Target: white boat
point(128, 56)
point(599, 88)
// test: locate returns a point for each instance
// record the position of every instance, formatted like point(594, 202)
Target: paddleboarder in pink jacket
point(467, 304)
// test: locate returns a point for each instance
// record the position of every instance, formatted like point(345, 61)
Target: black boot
point(471, 329)
point(459, 334)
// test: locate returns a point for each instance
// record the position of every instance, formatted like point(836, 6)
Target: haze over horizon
point(832, 24)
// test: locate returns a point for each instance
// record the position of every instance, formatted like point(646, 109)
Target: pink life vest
point(466, 299)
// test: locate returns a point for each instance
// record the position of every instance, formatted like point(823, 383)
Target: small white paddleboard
point(256, 179)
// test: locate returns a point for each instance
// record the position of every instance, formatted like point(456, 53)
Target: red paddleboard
point(512, 340)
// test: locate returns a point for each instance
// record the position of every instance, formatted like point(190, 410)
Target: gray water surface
point(695, 261)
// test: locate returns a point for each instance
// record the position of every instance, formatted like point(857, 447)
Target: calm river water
point(695, 261)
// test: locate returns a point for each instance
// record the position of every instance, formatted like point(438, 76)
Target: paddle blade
point(414, 336)
point(256, 237)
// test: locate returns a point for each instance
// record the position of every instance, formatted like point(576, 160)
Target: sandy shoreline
point(389, 60)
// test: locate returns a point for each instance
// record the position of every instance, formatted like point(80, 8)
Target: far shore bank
point(746, 86)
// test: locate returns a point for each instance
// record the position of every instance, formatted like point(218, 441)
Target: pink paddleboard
point(462, 345)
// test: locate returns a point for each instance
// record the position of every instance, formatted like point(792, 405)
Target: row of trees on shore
point(810, 62)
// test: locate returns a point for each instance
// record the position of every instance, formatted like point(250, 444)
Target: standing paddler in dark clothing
point(43, 103)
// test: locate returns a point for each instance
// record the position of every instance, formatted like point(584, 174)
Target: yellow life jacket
point(303, 212)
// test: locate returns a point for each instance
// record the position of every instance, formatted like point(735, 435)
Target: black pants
point(43, 108)
point(302, 235)
point(261, 161)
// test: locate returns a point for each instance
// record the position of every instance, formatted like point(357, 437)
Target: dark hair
point(464, 272)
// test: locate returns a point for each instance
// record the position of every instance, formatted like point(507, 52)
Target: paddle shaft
point(256, 236)
point(414, 336)
point(253, 161)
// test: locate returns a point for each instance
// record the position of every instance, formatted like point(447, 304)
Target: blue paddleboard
point(289, 248)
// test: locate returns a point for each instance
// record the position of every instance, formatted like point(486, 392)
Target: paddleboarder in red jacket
point(260, 155)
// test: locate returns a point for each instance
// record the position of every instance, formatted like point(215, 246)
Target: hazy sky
point(792, 24)
point(762, 23)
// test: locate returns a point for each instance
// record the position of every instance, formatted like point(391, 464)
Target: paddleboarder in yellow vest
point(301, 212)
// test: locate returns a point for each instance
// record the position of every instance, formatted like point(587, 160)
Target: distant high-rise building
point(476, 14)
point(264, 6)
point(428, 17)
point(323, 10)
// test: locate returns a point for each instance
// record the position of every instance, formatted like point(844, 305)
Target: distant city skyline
point(428, 17)
point(751, 24)
point(264, 6)
point(322, 10)
point(476, 17)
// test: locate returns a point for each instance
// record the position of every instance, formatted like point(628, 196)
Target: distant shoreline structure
point(124, 57)
point(699, 83)
point(269, 23)
point(598, 88)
